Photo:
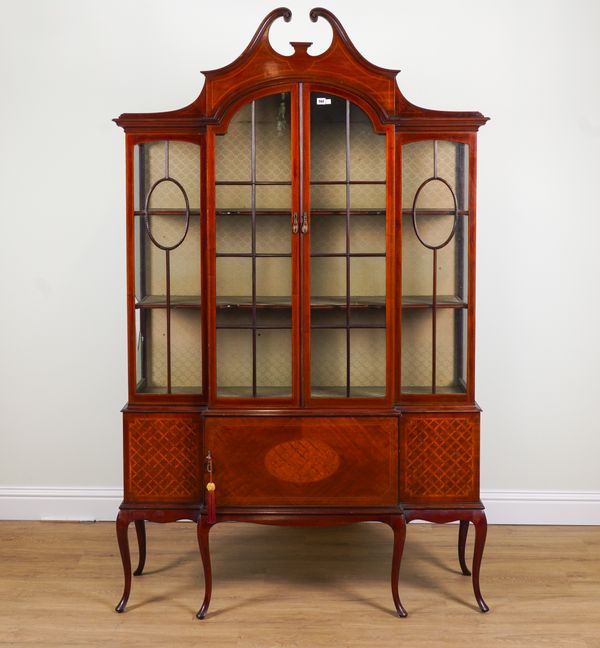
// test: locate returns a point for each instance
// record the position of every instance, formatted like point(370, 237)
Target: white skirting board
point(502, 506)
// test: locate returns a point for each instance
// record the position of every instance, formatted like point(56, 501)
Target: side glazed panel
point(439, 455)
point(435, 262)
point(163, 458)
point(167, 251)
point(304, 460)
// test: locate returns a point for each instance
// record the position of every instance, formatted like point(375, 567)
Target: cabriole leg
point(122, 526)
point(462, 543)
point(480, 524)
point(203, 531)
point(398, 525)
point(140, 530)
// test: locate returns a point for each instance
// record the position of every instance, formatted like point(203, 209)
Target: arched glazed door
point(301, 233)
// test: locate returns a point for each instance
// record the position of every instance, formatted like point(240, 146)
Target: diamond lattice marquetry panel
point(441, 457)
point(164, 459)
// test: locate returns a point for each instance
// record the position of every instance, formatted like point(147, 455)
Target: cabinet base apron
point(463, 516)
point(321, 517)
point(139, 516)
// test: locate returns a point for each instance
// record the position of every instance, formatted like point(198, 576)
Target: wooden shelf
point(313, 212)
point(261, 392)
point(453, 389)
point(426, 301)
point(166, 212)
point(276, 183)
point(177, 301)
point(316, 392)
point(356, 301)
point(245, 301)
point(316, 302)
point(435, 212)
point(175, 389)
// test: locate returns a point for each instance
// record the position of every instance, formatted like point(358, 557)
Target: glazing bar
point(347, 153)
point(253, 180)
point(168, 315)
point(434, 324)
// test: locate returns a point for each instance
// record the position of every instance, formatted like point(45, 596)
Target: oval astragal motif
point(302, 461)
point(167, 248)
point(414, 214)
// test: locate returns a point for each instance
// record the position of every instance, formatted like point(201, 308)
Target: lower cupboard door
point(304, 460)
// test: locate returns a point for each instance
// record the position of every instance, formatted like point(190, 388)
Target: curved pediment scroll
point(341, 67)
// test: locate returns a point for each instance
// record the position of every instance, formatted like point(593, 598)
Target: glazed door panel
point(303, 213)
point(346, 253)
point(304, 460)
point(257, 303)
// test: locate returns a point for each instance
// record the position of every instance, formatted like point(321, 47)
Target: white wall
point(68, 67)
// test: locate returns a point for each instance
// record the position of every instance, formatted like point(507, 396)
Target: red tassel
point(210, 503)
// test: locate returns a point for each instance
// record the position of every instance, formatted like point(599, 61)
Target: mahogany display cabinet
point(301, 304)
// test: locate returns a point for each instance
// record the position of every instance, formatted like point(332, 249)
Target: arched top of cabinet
point(340, 66)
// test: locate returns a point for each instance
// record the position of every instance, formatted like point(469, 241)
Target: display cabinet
point(300, 296)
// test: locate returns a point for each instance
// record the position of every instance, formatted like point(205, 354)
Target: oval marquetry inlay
point(302, 461)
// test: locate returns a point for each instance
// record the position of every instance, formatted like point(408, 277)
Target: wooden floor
point(291, 587)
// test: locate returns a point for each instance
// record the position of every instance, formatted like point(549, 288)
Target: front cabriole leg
point(398, 525)
point(462, 543)
point(464, 516)
point(203, 531)
point(480, 523)
point(140, 529)
point(123, 520)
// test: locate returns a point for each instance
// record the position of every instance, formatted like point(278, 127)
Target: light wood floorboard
point(298, 587)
